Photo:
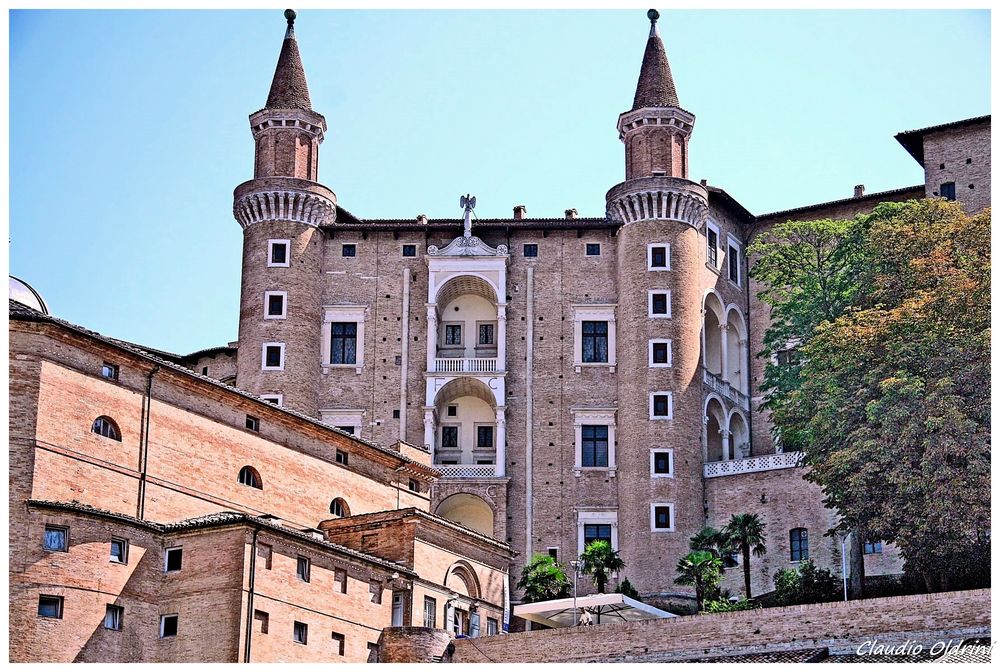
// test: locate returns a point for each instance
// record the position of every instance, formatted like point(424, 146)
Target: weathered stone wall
point(960, 155)
point(835, 625)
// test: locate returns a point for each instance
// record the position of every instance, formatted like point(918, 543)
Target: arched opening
point(714, 443)
point(713, 334)
point(736, 337)
point(250, 477)
point(468, 510)
point(466, 431)
point(739, 436)
point(467, 319)
point(107, 428)
point(339, 508)
point(462, 579)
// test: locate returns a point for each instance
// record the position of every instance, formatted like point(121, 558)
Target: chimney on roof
point(571, 213)
point(422, 220)
point(704, 182)
point(274, 520)
point(859, 190)
point(520, 211)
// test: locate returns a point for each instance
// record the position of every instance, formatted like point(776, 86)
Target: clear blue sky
point(129, 129)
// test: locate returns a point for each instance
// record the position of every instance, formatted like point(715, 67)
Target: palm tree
point(544, 579)
point(715, 542)
point(746, 534)
point(702, 570)
point(600, 561)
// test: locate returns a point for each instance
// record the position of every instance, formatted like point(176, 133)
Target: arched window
point(249, 476)
point(339, 508)
point(799, 541)
point(106, 427)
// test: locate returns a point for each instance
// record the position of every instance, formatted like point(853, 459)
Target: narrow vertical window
point(713, 248)
point(302, 569)
point(734, 264)
point(343, 343)
point(595, 341)
point(113, 617)
point(430, 612)
point(799, 542)
point(300, 632)
point(594, 448)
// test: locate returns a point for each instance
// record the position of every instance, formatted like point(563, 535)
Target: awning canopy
point(599, 609)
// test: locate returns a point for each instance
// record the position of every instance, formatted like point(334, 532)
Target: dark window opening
point(300, 632)
point(713, 248)
point(275, 304)
point(50, 606)
point(453, 334)
point(661, 517)
point(109, 371)
point(174, 559)
point(484, 436)
point(661, 463)
point(279, 253)
point(660, 304)
point(530, 250)
point(661, 405)
point(409, 250)
point(341, 456)
point(449, 436)
point(658, 257)
point(249, 477)
point(343, 342)
point(594, 445)
point(119, 551)
point(107, 428)
point(349, 250)
point(272, 356)
point(948, 191)
point(597, 532)
point(661, 353)
point(799, 540)
point(302, 569)
point(593, 249)
point(253, 423)
point(168, 626)
point(595, 342)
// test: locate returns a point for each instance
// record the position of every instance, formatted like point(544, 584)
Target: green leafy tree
point(722, 606)
point(805, 585)
point(544, 579)
point(702, 570)
point(890, 398)
point(626, 588)
point(600, 561)
point(745, 533)
point(716, 542)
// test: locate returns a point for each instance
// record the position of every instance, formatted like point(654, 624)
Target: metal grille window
point(449, 436)
point(453, 334)
point(484, 437)
point(596, 532)
point(344, 343)
point(799, 539)
point(486, 334)
point(594, 448)
point(409, 250)
point(595, 342)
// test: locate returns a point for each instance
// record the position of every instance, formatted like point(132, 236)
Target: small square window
point(300, 632)
point(395, 414)
point(409, 251)
point(662, 517)
point(338, 642)
point(340, 578)
point(554, 553)
point(531, 249)
point(168, 626)
point(277, 252)
point(119, 550)
point(50, 606)
point(173, 559)
point(660, 406)
point(263, 620)
point(662, 463)
point(593, 249)
point(659, 304)
point(109, 371)
point(302, 569)
point(349, 250)
point(948, 191)
point(659, 258)
point(274, 356)
point(253, 424)
point(452, 411)
point(113, 617)
point(659, 353)
point(414, 486)
point(341, 456)
point(375, 588)
point(56, 538)
point(346, 428)
point(275, 304)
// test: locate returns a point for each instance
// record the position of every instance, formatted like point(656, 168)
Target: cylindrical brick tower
point(281, 210)
point(660, 255)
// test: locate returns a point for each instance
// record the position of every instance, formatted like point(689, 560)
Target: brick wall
point(835, 624)
point(960, 155)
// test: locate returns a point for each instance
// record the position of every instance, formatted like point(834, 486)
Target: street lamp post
point(843, 561)
point(575, 564)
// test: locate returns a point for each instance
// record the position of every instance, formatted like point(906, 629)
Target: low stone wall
point(839, 626)
point(412, 645)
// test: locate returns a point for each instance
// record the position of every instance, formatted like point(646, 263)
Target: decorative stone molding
point(658, 198)
point(467, 246)
point(751, 465)
point(302, 120)
point(284, 199)
point(673, 119)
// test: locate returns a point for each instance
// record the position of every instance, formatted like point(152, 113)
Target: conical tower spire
point(289, 90)
point(656, 84)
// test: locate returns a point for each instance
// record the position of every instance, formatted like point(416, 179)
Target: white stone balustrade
point(717, 384)
point(467, 470)
point(465, 365)
point(751, 465)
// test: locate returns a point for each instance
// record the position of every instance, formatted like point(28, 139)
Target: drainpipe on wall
point(746, 260)
point(253, 575)
point(144, 443)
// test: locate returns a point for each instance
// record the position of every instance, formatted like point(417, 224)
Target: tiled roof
point(798, 656)
point(913, 141)
point(656, 85)
point(289, 90)
point(21, 312)
point(362, 518)
point(917, 189)
point(218, 519)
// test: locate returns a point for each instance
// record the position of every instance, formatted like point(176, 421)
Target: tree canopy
point(544, 579)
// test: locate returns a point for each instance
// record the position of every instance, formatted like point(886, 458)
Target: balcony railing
point(467, 470)
point(465, 365)
point(717, 384)
point(750, 465)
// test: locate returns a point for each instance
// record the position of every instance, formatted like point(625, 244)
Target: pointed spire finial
point(289, 90)
point(290, 17)
point(652, 15)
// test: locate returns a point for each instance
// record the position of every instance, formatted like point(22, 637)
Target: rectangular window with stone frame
point(594, 344)
point(596, 532)
point(344, 343)
point(594, 446)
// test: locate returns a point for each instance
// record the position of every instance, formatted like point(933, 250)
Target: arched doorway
point(715, 440)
